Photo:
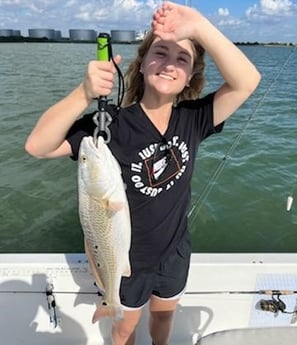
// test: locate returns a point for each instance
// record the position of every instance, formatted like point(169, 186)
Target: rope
point(204, 194)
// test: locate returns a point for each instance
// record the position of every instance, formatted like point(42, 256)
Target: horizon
point(247, 20)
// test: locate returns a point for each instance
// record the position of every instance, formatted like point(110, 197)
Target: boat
point(234, 299)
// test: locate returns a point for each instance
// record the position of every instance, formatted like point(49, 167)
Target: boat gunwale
point(196, 258)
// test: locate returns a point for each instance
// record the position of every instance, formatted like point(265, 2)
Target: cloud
point(223, 18)
point(265, 21)
point(272, 8)
point(224, 12)
point(116, 14)
point(275, 19)
point(70, 3)
point(10, 2)
point(72, 14)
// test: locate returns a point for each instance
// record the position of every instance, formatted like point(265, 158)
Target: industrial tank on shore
point(42, 33)
point(82, 35)
point(123, 36)
point(58, 35)
point(6, 33)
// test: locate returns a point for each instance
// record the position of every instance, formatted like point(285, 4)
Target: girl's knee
point(124, 331)
point(162, 316)
point(125, 328)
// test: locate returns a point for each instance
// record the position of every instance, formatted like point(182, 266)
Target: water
point(242, 179)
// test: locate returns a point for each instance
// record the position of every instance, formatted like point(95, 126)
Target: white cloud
point(71, 14)
point(267, 20)
point(224, 12)
point(270, 8)
point(10, 2)
point(125, 14)
point(70, 3)
point(223, 18)
point(229, 22)
point(276, 6)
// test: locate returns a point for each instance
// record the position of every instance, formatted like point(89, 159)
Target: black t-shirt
point(157, 171)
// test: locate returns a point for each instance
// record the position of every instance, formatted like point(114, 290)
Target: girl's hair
point(134, 82)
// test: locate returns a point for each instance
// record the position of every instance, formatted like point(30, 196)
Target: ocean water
point(242, 178)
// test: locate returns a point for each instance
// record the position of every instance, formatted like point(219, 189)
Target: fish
point(105, 219)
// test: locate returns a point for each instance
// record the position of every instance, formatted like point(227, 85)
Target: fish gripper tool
point(102, 120)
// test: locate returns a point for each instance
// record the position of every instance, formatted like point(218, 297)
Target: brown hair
point(134, 82)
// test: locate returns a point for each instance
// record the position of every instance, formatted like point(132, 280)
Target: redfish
point(105, 219)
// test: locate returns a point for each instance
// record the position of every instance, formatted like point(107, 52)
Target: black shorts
point(167, 281)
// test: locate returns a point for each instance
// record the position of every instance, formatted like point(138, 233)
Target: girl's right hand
point(175, 22)
point(99, 78)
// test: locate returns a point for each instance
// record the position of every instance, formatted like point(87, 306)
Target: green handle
point(103, 47)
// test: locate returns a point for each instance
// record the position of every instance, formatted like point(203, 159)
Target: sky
point(240, 20)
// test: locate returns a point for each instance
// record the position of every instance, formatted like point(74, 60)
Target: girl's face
point(167, 67)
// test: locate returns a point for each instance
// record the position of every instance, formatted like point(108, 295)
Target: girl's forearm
point(51, 129)
point(236, 69)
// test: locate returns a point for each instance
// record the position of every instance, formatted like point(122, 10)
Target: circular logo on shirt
point(160, 166)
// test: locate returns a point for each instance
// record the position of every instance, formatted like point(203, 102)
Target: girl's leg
point(123, 331)
point(161, 319)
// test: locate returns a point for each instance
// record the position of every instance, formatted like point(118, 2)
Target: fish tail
point(114, 311)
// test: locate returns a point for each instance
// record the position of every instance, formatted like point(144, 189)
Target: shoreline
point(67, 40)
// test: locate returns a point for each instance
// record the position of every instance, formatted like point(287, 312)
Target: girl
point(155, 139)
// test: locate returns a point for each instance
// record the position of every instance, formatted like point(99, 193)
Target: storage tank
point(6, 33)
point(42, 33)
point(125, 36)
point(16, 33)
point(82, 35)
point(58, 35)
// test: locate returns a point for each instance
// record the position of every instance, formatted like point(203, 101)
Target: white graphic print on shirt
point(161, 166)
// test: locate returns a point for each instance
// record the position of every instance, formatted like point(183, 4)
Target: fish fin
point(92, 266)
point(113, 206)
point(104, 310)
point(127, 270)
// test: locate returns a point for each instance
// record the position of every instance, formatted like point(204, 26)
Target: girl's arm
point(176, 22)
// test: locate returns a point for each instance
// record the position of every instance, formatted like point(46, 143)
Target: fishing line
point(205, 192)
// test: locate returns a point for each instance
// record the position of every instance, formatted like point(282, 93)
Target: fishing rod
point(220, 167)
point(244, 292)
point(104, 115)
point(50, 298)
point(211, 292)
point(274, 305)
point(269, 292)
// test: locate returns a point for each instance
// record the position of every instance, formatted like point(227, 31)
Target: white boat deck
point(208, 306)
